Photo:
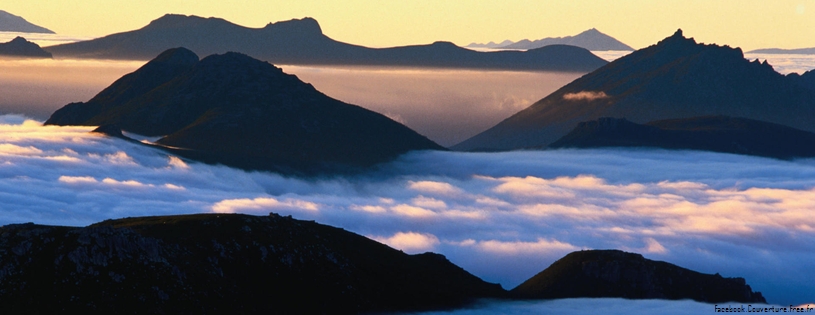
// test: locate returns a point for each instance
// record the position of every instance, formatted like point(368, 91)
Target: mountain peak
point(12, 23)
point(678, 38)
point(20, 47)
point(243, 112)
point(676, 78)
point(177, 56)
point(18, 39)
point(614, 273)
point(171, 20)
point(306, 25)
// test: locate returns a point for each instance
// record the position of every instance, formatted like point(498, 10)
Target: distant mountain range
point(20, 47)
point(241, 264)
point(614, 273)
point(710, 133)
point(239, 111)
point(12, 23)
point(799, 51)
point(490, 44)
point(676, 78)
point(591, 39)
point(302, 42)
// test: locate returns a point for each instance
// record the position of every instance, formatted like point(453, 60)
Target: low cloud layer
point(502, 216)
point(587, 96)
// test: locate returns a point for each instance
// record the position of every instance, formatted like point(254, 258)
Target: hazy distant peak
point(20, 47)
point(12, 23)
point(591, 31)
point(591, 39)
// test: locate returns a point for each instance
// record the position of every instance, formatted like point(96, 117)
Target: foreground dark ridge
point(220, 264)
point(676, 78)
point(710, 133)
point(241, 264)
point(614, 273)
point(242, 112)
point(302, 42)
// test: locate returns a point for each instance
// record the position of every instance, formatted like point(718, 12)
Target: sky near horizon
point(750, 24)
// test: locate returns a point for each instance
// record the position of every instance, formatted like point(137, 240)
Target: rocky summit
point(239, 111)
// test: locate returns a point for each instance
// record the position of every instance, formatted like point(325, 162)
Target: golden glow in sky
point(749, 24)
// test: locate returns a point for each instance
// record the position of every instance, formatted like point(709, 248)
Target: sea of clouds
point(502, 216)
point(610, 306)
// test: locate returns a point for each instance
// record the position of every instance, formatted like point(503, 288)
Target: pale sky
point(749, 24)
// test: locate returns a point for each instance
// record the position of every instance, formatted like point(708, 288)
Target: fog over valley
point(447, 106)
point(501, 216)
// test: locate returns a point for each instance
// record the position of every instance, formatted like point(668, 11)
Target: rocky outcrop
point(220, 264)
point(614, 273)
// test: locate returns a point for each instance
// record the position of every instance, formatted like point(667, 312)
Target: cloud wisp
point(502, 216)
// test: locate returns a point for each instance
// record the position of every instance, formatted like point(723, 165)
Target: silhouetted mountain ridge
point(302, 42)
point(20, 47)
point(676, 78)
point(12, 23)
point(614, 273)
point(221, 264)
point(591, 39)
point(239, 111)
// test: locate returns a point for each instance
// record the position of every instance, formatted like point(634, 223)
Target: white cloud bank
point(502, 216)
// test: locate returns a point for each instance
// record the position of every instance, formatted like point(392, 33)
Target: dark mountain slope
point(220, 264)
point(710, 133)
point(243, 112)
point(302, 42)
point(12, 23)
point(590, 39)
point(20, 47)
point(676, 78)
point(613, 273)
